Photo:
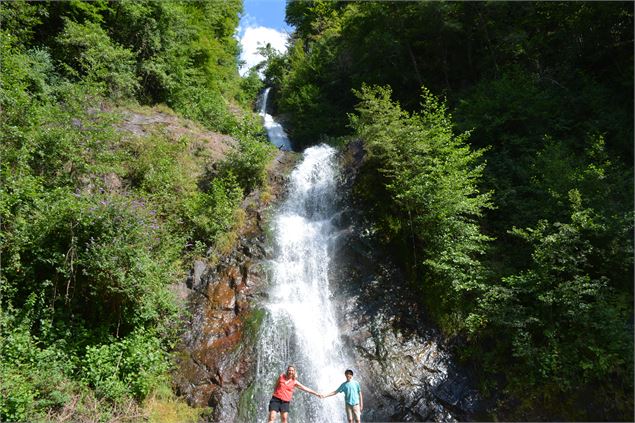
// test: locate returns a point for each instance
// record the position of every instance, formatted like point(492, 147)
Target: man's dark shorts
point(276, 404)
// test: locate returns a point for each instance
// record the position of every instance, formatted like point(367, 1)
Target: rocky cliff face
point(401, 360)
point(216, 360)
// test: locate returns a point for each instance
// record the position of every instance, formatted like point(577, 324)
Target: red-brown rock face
point(216, 356)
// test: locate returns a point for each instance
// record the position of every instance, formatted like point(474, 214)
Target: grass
point(162, 406)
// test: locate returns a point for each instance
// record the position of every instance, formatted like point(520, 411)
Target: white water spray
point(275, 131)
point(300, 327)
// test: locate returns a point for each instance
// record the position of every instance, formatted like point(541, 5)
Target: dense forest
point(97, 225)
point(498, 166)
point(498, 141)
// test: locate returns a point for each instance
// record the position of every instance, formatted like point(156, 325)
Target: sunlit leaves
point(432, 178)
point(93, 55)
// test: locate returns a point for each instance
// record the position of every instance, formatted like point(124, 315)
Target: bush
point(249, 161)
point(130, 366)
point(424, 194)
point(86, 308)
point(205, 106)
point(32, 378)
point(95, 58)
point(17, 394)
point(211, 213)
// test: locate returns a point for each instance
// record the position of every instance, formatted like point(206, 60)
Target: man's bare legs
point(353, 413)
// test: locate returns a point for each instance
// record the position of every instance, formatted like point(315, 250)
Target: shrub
point(249, 161)
point(94, 57)
point(32, 377)
point(425, 195)
point(211, 213)
point(130, 366)
point(204, 105)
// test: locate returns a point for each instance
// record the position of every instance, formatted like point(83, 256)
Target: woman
point(282, 394)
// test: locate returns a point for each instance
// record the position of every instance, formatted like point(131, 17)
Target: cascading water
point(253, 317)
point(300, 327)
point(275, 131)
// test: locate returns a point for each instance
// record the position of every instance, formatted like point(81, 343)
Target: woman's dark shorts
point(276, 404)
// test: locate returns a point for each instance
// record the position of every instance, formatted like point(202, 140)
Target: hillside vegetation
point(499, 168)
point(109, 192)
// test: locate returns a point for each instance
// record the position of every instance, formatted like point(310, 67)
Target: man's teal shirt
point(351, 392)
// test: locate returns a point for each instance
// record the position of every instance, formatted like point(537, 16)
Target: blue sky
point(267, 13)
point(262, 22)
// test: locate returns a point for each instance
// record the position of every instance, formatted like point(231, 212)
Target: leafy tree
point(565, 320)
point(431, 179)
point(93, 56)
point(545, 91)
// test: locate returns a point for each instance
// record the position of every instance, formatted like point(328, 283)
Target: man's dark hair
point(348, 372)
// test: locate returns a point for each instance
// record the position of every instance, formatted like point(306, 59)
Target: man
point(282, 394)
point(352, 397)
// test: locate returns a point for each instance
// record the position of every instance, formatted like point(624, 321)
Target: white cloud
point(258, 36)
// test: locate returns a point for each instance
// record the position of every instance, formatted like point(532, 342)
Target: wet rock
point(216, 360)
point(404, 364)
point(456, 394)
point(194, 280)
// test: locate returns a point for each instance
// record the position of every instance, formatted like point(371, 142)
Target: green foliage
point(158, 166)
point(565, 314)
point(18, 19)
point(431, 178)
point(103, 259)
point(250, 86)
point(18, 392)
point(96, 226)
point(211, 213)
point(275, 66)
point(33, 378)
point(249, 161)
point(209, 108)
point(545, 90)
point(17, 395)
point(310, 17)
point(132, 365)
point(304, 89)
point(450, 47)
point(156, 51)
point(565, 317)
point(94, 57)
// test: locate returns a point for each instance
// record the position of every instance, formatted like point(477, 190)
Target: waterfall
point(275, 131)
point(299, 326)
